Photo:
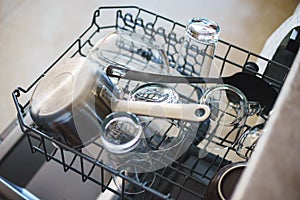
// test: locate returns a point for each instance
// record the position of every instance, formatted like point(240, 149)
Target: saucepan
point(74, 97)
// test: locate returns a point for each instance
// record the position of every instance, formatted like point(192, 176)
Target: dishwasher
point(35, 165)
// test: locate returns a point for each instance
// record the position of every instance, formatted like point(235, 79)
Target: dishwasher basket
point(187, 177)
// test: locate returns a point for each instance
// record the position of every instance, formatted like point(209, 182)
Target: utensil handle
point(125, 73)
point(189, 112)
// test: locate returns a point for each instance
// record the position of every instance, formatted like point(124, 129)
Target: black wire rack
point(187, 177)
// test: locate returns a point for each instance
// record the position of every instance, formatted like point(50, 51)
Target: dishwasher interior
point(186, 177)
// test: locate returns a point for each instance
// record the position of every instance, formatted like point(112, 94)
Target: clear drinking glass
point(122, 136)
point(198, 47)
point(126, 150)
point(229, 111)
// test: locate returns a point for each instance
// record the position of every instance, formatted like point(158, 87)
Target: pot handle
point(189, 112)
point(254, 107)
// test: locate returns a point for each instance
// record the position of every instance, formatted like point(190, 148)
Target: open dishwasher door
point(28, 176)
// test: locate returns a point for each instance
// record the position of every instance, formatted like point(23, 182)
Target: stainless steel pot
point(64, 103)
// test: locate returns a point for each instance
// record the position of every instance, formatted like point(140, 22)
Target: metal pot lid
point(64, 88)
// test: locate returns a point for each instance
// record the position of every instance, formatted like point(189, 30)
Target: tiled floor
point(34, 33)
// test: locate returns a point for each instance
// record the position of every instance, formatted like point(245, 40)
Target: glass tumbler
point(248, 140)
point(229, 111)
point(198, 47)
point(126, 150)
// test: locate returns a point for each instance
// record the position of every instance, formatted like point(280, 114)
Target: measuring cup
point(229, 111)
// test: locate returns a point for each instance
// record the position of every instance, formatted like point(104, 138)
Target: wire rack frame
point(185, 173)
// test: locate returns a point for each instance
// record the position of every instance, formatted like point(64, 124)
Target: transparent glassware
point(160, 133)
point(154, 92)
point(122, 136)
point(130, 49)
point(126, 150)
point(248, 140)
point(198, 47)
point(229, 112)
